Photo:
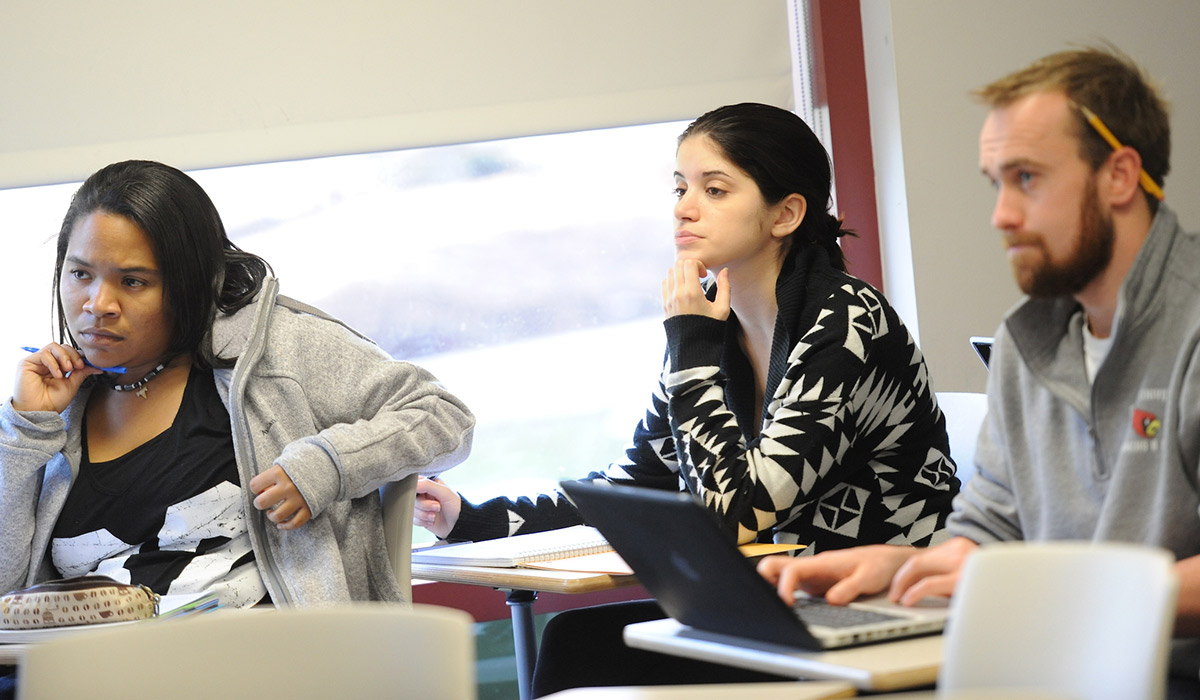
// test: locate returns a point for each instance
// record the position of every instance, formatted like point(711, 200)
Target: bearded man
point(1093, 426)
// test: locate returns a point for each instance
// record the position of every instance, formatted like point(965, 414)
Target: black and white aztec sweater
point(852, 450)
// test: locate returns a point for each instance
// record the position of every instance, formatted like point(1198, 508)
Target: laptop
point(699, 577)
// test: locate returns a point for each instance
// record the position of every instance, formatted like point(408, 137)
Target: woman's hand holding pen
point(683, 294)
point(437, 506)
point(48, 379)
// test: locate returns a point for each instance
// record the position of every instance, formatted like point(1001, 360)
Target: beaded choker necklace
point(140, 385)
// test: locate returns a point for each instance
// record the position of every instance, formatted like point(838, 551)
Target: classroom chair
point(364, 651)
point(1086, 620)
point(399, 499)
point(965, 412)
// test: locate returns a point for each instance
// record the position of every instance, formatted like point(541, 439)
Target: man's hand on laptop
point(932, 571)
point(840, 575)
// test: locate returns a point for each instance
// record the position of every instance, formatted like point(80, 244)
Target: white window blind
point(808, 77)
point(225, 82)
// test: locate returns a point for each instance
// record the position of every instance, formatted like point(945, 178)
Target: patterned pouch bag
point(84, 600)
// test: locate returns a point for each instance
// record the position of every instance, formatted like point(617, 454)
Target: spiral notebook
point(508, 552)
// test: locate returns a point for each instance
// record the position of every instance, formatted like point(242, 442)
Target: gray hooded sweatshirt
point(307, 393)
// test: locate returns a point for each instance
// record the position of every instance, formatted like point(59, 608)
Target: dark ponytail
point(828, 239)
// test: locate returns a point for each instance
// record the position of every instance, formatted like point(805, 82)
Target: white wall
point(924, 57)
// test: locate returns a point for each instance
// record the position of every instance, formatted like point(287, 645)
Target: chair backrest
point(365, 651)
point(399, 498)
point(965, 412)
point(1088, 620)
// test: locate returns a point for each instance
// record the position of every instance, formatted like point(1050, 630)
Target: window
point(524, 273)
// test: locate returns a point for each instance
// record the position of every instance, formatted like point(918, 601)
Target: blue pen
point(115, 370)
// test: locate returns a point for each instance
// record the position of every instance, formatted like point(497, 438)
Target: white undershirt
point(1095, 349)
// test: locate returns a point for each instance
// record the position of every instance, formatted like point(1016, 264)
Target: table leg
point(520, 604)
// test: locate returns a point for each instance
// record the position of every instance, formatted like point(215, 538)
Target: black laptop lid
point(691, 567)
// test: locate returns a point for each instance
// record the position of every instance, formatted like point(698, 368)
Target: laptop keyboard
point(815, 611)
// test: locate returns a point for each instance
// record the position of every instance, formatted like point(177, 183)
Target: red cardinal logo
point(1145, 423)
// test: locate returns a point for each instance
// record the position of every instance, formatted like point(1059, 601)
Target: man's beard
point(1091, 256)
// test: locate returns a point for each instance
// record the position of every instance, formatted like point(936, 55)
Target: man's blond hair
point(1110, 84)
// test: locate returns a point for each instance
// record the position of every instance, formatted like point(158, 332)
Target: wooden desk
point(898, 665)
point(537, 580)
point(12, 654)
point(806, 690)
point(14, 643)
point(816, 690)
point(522, 585)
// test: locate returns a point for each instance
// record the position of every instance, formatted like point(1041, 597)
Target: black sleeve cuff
point(474, 523)
point(694, 341)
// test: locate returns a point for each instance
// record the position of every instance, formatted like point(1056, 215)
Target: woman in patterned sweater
point(793, 401)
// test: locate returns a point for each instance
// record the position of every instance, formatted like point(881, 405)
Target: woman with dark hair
point(793, 402)
point(242, 447)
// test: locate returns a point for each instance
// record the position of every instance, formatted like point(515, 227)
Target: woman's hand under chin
point(683, 294)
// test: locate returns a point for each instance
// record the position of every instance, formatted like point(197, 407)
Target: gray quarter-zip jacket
point(307, 393)
point(1115, 460)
